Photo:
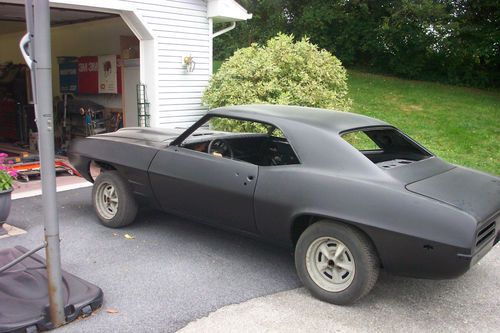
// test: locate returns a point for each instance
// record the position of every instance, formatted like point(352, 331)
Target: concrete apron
point(469, 303)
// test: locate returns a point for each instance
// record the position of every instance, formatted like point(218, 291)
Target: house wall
point(180, 28)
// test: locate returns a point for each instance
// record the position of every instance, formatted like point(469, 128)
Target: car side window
point(244, 140)
point(360, 141)
point(386, 147)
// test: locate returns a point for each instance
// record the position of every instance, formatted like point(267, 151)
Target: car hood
point(474, 192)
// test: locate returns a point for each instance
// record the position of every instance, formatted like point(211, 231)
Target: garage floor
point(34, 187)
point(174, 272)
point(64, 182)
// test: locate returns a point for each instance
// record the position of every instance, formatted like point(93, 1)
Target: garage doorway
point(83, 41)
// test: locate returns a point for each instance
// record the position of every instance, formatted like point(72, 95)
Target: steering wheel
point(220, 146)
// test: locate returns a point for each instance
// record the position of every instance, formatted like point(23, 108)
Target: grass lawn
point(460, 125)
point(216, 65)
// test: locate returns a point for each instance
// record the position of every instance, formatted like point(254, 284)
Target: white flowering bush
point(281, 72)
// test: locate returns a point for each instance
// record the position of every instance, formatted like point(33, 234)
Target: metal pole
point(45, 124)
point(21, 258)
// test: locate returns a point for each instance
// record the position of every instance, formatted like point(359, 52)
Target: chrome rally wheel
point(337, 262)
point(330, 264)
point(106, 200)
point(113, 200)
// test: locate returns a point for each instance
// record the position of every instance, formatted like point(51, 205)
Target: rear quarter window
point(386, 147)
point(360, 141)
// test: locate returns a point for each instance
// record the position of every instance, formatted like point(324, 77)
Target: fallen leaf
point(111, 310)
point(127, 236)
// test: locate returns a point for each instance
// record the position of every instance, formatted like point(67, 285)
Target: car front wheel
point(113, 200)
point(336, 262)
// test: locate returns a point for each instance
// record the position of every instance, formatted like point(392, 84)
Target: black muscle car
point(350, 194)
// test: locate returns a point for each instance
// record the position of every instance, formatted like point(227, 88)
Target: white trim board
point(62, 188)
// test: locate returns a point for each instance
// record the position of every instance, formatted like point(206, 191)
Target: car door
point(215, 189)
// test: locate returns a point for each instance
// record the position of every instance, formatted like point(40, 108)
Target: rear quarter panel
point(398, 222)
point(129, 157)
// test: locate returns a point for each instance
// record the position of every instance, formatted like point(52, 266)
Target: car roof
point(326, 119)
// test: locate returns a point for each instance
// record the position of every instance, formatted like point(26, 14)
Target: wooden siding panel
point(183, 36)
point(160, 18)
point(160, 29)
point(180, 28)
point(167, 101)
point(167, 91)
point(158, 24)
point(197, 5)
point(167, 109)
point(181, 95)
point(180, 43)
point(178, 68)
point(175, 60)
point(195, 113)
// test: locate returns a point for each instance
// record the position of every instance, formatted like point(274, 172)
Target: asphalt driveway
point(171, 273)
point(174, 272)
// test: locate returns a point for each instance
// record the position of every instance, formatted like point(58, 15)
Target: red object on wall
point(88, 75)
point(88, 82)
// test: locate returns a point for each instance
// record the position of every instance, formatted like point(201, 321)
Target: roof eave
point(226, 11)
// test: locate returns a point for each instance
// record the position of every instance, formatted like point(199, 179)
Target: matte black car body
point(426, 219)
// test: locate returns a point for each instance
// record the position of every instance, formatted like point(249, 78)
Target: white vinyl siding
point(180, 28)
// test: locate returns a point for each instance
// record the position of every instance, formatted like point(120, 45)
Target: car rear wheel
point(113, 200)
point(337, 263)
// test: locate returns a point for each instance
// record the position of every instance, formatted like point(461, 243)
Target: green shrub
point(281, 72)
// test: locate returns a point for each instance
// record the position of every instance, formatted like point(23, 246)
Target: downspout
point(223, 31)
point(213, 35)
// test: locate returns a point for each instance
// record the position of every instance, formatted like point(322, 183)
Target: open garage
point(114, 64)
point(95, 59)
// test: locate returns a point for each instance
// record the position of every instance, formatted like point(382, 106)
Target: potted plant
point(7, 175)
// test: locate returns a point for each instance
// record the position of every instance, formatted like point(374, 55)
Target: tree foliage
point(455, 41)
point(280, 72)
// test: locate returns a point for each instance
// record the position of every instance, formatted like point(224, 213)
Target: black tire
point(365, 262)
point(125, 210)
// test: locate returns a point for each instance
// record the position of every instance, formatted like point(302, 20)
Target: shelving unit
point(142, 106)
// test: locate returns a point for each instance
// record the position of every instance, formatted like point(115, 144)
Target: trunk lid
point(144, 134)
point(472, 191)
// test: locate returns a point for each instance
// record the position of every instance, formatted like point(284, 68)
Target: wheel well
point(101, 166)
point(104, 165)
point(301, 223)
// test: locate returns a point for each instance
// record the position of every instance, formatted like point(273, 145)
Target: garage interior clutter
point(96, 83)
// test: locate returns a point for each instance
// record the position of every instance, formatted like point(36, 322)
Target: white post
point(210, 46)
